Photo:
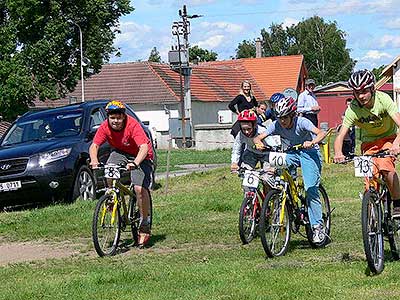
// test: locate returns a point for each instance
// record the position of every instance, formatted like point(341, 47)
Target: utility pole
point(182, 29)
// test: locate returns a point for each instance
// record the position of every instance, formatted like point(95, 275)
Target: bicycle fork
point(114, 209)
point(252, 194)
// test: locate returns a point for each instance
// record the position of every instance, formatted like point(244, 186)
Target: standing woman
point(245, 100)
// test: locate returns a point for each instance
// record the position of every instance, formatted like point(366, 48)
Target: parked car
point(44, 154)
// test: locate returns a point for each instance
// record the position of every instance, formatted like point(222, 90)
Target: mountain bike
point(114, 213)
point(376, 220)
point(285, 210)
point(255, 183)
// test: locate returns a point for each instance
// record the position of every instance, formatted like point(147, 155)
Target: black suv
point(43, 155)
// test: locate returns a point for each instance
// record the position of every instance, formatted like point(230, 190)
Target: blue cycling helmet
point(276, 97)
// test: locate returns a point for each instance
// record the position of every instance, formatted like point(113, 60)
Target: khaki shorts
point(142, 176)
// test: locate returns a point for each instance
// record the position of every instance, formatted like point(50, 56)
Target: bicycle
point(253, 183)
point(285, 210)
point(112, 213)
point(376, 220)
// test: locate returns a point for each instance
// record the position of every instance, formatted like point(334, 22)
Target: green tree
point(40, 47)
point(199, 54)
point(154, 55)
point(324, 48)
point(276, 40)
point(246, 49)
point(377, 72)
point(322, 43)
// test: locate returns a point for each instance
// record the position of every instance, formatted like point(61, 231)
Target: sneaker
point(396, 212)
point(144, 239)
point(318, 234)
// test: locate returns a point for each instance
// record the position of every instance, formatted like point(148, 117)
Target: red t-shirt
point(127, 140)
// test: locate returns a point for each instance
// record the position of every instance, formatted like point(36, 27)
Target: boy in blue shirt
point(295, 130)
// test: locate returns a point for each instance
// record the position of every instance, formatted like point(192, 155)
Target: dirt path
point(32, 251)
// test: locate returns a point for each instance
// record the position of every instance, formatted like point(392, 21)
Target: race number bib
point(277, 160)
point(250, 179)
point(111, 171)
point(363, 166)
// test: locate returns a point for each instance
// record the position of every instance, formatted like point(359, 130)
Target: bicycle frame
point(289, 185)
point(118, 190)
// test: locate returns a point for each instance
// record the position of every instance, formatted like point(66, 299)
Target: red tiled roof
point(128, 82)
point(210, 83)
point(272, 74)
point(145, 82)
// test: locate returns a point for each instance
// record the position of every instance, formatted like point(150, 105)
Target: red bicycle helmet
point(247, 116)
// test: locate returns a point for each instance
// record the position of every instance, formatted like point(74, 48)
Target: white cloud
point(220, 37)
point(222, 27)
point(211, 42)
point(393, 23)
point(373, 59)
point(131, 33)
point(375, 55)
point(389, 41)
point(335, 7)
point(288, 22)
point(137, 40)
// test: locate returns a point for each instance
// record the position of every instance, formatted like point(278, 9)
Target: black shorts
point(142, 176)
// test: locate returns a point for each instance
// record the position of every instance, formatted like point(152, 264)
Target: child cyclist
point(248, 130)
point(295, 130)
point(377, 116)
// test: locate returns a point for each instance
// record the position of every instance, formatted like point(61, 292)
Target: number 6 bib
point(277, 160)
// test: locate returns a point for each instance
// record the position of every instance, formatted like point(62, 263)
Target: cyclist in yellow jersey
point(377, 116)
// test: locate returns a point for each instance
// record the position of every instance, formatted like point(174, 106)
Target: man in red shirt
point(129, 142)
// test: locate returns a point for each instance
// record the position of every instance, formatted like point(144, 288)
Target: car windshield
point(48, 127)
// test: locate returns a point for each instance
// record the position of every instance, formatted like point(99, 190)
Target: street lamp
point(81, 50)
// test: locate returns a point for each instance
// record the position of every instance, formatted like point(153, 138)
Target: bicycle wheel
point(393, 233)
point(247, 223)
point(105, 231)
point(326, 218)
point(274, 234)
point(371, 222)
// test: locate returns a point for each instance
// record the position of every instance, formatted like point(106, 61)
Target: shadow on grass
point(126, 244)
point(29, 206)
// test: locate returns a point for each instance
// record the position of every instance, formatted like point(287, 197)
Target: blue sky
point(372, 26)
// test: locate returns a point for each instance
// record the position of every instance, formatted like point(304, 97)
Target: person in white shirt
point(307, 104)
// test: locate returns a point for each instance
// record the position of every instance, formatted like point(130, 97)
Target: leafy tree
point(377, 72)
point(40, 47)
point(154, 55)
point(322, 44)
point(197, 53)
point(324, 48)
point(246, 49)
point(276, 41)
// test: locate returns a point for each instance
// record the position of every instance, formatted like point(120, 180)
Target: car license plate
point(10, 186)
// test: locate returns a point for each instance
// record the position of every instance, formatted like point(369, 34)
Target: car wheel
point(84, 186)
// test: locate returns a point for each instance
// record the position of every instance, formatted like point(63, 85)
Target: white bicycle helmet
point(285, 106)
point(361, 79)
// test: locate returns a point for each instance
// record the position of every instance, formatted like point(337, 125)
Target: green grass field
point(196, 252)
point(191, 156)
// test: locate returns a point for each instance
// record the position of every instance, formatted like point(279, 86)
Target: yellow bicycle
point(285, 210)
point(114, 213)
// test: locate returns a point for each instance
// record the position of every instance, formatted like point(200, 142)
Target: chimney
point(258, 48)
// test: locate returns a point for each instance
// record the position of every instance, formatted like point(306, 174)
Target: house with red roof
point(154, 88)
